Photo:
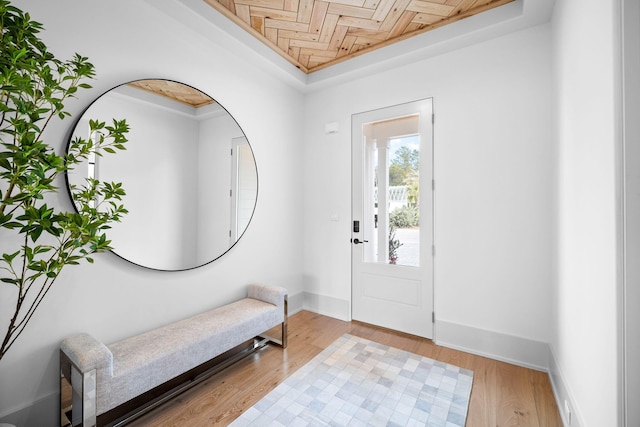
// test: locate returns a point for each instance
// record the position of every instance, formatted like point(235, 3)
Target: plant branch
point(33, 88)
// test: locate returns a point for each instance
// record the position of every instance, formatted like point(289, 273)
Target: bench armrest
point(87, 353)
point(272, 294)
point(277, 296)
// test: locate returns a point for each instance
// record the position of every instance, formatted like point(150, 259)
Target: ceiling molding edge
point(214, 27)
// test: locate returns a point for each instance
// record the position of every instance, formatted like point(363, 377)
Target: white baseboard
point(44, 412)
point(495, 345)
point(562, 392)
point(327, 306)
point(296, 303)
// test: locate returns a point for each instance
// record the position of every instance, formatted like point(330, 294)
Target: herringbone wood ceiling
point(314, 34)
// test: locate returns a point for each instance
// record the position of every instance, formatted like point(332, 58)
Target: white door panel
point(404, 291)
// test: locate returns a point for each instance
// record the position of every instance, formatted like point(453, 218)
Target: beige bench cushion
point(136, 365)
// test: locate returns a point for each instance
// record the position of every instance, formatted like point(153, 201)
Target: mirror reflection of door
point(244, 187)
point(392, 273)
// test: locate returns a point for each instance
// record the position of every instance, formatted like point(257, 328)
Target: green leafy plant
point(404, 217)
point(39, 240)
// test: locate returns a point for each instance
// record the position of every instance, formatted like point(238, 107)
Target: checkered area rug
point(357, 382)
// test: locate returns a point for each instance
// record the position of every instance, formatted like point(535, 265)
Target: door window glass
point(391, 182)
point(404, 201)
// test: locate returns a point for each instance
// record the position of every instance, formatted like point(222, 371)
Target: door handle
point(358, 241)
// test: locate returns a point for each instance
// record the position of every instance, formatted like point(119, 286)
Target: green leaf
point(10, 257)
point(18, 54)
point(35, 233)
point(42, 249)
point(12, 225)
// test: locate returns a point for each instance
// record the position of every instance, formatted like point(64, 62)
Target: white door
point(244, 187)
point(392, 224)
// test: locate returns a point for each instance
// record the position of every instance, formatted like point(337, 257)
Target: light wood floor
point(502, 394)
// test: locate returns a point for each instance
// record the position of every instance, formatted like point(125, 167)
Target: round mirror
point(188, 171)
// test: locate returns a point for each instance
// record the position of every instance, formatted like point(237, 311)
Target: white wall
point(493, 172)
point(113, 299)
point(585, 340)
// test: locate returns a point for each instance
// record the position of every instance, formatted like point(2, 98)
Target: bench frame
point(83, 386)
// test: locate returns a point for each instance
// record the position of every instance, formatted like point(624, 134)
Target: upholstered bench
point(102, 377)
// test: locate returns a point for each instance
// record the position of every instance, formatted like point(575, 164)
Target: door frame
point(388, 113)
